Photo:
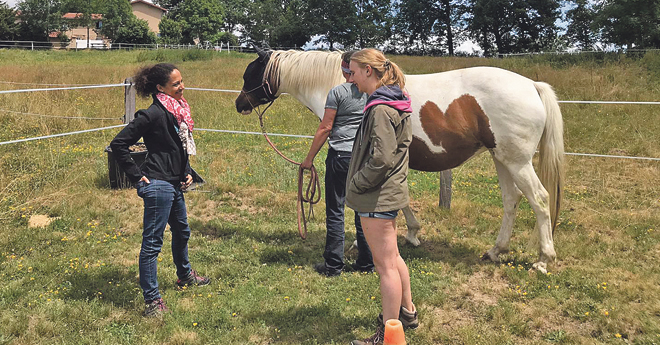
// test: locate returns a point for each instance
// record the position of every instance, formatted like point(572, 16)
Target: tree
point(136, 31)
point(8, 26)
point(200, 20)
point(116, 14)
point(293, 29)
point(430, 26)
point(630, 23)
point(38, 18)
point(502, 26)
point(580, 32)
point(235, 13)
point(170, 31)
point(374, 21)
point(278, 23)
point(335, 21)
point(172, 6)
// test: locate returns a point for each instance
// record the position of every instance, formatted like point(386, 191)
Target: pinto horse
point(457, 115)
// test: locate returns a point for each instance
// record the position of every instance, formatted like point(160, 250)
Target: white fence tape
point(58, 135)
point(63, 88)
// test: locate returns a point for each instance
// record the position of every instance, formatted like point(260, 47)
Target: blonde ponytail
point(387, 71)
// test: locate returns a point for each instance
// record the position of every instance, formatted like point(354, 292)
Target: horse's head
point(257, 88)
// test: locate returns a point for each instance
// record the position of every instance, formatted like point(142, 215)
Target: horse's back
point(480, 82)
point(496, 108)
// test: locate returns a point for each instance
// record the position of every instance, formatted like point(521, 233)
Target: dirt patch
point(482, 288)
point(183, 337)
point(450, 319)
point(40, 220)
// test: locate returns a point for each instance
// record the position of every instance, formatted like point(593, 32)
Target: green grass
point(75, 281)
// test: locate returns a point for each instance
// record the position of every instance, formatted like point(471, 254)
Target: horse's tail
point(551, 150)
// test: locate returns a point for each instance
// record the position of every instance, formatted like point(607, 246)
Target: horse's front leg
point(413, 226)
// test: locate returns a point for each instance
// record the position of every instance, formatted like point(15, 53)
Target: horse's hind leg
point(510, 199)
point(525, 178)
point(413, 226)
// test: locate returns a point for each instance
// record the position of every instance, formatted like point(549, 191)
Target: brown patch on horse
point(462, 131)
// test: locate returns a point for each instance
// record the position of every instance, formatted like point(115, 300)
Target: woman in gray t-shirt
point(344, 109)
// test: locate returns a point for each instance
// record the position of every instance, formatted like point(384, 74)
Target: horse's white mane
point(301, 70)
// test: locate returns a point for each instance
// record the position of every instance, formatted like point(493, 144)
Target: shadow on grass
point(441, 251)
point(311, 324)
point(106, 284)
point(279, 244)
point(102, 181)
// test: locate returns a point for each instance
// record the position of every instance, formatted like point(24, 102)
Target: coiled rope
point(310, 196)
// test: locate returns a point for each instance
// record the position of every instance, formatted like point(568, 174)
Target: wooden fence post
point(129, 100)
point(445, 189)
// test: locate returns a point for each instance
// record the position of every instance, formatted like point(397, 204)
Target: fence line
point(255, 133)
point(130, 85)
point(611, 156)
point(286, 135)
point(63, 88)
point(238, 91)
point(609, 102)
point(17, 83)
point(61, 117)
point(214, 90)
point(59, 135)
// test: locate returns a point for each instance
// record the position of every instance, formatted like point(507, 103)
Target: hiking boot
point(408, 319)
point(155, 308)
point(376, 339)
point(193, 279)
point(321, 268)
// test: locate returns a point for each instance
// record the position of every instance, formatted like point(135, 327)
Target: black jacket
point(166, 159)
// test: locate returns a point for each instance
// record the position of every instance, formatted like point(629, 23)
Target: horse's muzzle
point(243, 105)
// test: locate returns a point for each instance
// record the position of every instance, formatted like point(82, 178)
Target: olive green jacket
point(378, 174)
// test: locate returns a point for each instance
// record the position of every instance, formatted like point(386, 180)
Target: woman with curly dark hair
point(166, 127)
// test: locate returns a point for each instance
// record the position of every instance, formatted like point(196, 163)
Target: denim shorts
point(379, 215)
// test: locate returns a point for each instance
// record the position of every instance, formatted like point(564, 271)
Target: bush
point(651, 61)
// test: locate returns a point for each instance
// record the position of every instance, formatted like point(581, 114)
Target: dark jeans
point(335, 197)
point(163, 204)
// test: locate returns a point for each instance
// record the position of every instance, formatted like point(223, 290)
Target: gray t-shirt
point(349, 103)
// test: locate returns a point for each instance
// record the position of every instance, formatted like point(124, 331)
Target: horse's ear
point(262, 53)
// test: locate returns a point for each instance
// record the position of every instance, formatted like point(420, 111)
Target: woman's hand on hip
point(145, 179)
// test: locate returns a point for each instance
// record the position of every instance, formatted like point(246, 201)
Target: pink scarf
point(181, 112)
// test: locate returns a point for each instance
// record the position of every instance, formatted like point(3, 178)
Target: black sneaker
point(321, 268)
point(376, 339)
point(193, 279)
point(155, 308)
point(408, 319)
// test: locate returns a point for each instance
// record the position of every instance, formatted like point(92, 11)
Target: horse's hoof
point(489, 257)
point(412, 239)
point(541, 267)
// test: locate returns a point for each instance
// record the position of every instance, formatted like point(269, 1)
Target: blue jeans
point(335, 197)
point(163, 204)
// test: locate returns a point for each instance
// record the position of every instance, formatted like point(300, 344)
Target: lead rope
point(310, 196)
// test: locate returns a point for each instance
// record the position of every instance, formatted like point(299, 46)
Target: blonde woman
point(377, 186)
